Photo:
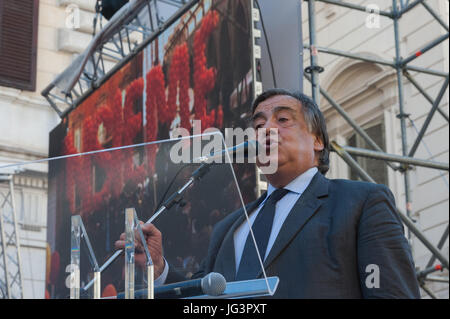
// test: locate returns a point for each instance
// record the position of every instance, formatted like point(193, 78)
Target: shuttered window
point(18, 43)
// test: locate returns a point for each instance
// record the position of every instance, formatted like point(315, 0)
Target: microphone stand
point(175, 198)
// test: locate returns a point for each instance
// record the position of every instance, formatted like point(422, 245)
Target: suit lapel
point(226, 261)
point(305, 207)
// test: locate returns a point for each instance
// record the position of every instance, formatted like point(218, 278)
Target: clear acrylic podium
point(96, 196)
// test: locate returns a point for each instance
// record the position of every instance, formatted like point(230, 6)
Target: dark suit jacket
point(335, 230)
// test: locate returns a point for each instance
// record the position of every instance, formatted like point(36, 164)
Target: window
point(30, 194)
point(18, 43)
point(377, 169)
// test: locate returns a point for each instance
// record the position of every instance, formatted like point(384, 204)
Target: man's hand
point(153, 240)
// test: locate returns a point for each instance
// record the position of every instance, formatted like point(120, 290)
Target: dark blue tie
point(249, 266)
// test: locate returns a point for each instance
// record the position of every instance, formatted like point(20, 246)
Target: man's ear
point(318, 144)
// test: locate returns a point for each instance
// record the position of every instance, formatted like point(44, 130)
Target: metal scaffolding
point(11, 286)
point(114, 42)
point(406, 160)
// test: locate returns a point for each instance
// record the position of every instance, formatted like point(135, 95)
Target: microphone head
point(213, 284)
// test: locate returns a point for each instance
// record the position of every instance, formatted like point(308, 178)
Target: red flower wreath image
point(122, 122)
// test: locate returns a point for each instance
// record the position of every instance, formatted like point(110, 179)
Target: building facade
point(64, 28)
point(368, 92)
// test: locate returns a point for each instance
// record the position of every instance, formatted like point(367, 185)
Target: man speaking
point(323, 238)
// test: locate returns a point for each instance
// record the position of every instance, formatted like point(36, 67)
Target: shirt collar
point(299, 184)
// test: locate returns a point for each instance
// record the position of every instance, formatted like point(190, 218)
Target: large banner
point(198, 69)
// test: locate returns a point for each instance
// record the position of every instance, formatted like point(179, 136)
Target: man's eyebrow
point(276, 109)
point(257, 116)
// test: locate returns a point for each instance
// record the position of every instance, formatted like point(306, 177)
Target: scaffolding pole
point(429, 117)
point(395, 158)
point(358, 129)
point(115, 38)
point(402, 115)
point(314, 69)
point(11, 285)
point(406, 219)
point(424, 93)
point(406, 159)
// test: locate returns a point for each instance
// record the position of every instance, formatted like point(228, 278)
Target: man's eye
point(283, 119)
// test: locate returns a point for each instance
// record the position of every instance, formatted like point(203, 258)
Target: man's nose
point(267, 131)
point(263, 132)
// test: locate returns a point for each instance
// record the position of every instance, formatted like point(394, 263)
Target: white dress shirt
point(282, 209)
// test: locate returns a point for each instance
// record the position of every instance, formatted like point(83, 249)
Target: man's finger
point(120, 244)
point(150, 230)
point(137, 235)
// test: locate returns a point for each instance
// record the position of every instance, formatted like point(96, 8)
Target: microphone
point(213, 284)
point(247, 149)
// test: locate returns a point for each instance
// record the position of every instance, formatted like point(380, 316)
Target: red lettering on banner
point(133, 126)
point(179, 83)
point(123, 125)
point(204, 78)
point(156, 101)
